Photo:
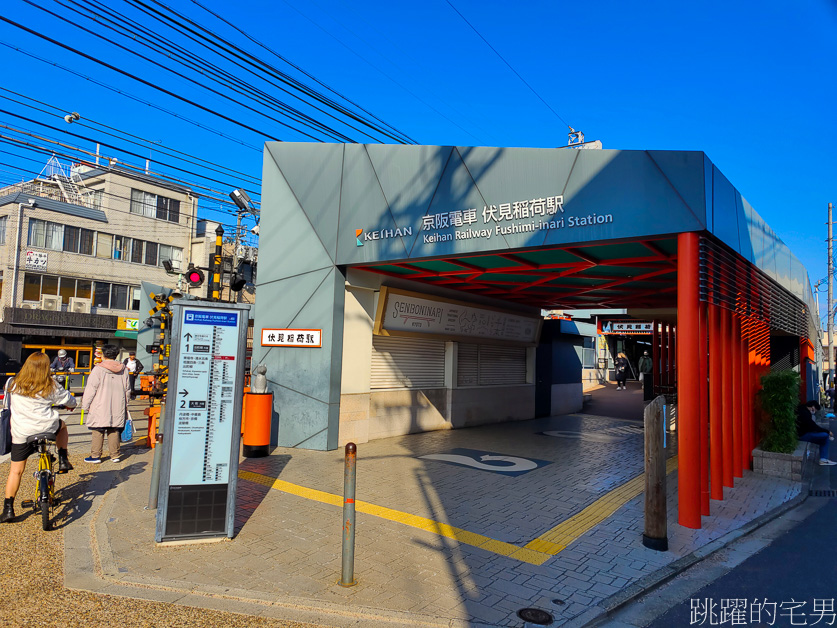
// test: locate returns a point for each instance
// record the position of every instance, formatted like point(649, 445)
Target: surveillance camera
point(255, 230)
point(31, 202)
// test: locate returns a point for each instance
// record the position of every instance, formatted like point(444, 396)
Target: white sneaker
point(827, 463)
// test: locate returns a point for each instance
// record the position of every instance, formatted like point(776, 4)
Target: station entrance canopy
point(536, 228)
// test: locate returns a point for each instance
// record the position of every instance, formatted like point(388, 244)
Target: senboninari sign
point(402, 313)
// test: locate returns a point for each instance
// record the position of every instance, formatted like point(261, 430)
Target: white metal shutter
point(407, 363)
point(488, 365)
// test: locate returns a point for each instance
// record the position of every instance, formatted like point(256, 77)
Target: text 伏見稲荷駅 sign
point(627, 327)
point(292, 337)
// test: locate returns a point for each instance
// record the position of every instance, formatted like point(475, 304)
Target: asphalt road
point(792, 582)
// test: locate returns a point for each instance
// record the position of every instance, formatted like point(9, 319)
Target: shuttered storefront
point(487, 365)
point(407, 363)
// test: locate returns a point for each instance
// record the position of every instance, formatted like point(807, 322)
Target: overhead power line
point(516, 73)
point(100, 127)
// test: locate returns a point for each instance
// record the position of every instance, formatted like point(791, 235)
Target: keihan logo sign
point(381, 234)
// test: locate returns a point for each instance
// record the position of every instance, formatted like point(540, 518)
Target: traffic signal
point(242, 276)
point(194, 276)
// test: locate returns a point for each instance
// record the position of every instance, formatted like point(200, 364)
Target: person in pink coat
point(105, 401)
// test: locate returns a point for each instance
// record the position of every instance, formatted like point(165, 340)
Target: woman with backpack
point(106, 401)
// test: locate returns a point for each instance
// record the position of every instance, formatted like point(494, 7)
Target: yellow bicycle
point(45, 478)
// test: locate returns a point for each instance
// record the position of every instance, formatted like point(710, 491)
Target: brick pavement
point(285, 558)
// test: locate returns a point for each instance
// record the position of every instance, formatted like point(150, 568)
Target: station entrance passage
point(732, 321)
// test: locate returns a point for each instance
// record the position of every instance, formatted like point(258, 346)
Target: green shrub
point(779, 397)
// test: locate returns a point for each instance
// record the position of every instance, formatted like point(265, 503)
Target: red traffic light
point(195, 277)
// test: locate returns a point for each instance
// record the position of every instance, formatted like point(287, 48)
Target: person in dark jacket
point(808, 430)
point(134, 368)
point(622, 366)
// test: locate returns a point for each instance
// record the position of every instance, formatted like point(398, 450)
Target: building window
point(78, 240)
point(83, 287)
point(136, 293)
point(119, 297)
point(101, 294)
point(104, 245)
point(143, 203)
point(173, 253)
point(4, 220)
point(151, 253)
point(117, 247)
point(168, 209)
point(45, 235)
point(137, 251)
point(31, 287)
point(112, 296)
point(588, 353)
point(96, 199)
point(154, 206)
point(36, 285)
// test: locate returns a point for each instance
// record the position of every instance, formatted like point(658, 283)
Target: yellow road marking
point(535, 552)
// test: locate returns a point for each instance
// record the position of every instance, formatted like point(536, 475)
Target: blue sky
point(752, 84)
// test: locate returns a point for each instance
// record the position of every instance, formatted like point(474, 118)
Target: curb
point(602, 611)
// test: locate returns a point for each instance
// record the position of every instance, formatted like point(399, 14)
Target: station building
point(420, 274)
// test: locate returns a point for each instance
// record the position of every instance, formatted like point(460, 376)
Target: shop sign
point(36, 260)
point(409, 313)
point(292, 337)
point(129, 324)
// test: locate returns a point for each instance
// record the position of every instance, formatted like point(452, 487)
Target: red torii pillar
point(688, 380)
point(704, 409)
point(716, 404)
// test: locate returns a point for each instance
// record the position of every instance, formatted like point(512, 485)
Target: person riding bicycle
point(31, 396)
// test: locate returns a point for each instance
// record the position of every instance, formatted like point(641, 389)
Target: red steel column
point(746, 430)
point(688, 384)
point(737, 397)
point(703, 410)
point(664, 357)
point(726, 387)
point(716, 406)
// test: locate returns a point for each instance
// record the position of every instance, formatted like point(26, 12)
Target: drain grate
point(535, 616)
point(830, 493)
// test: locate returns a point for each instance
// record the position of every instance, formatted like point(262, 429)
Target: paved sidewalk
point(439, 542)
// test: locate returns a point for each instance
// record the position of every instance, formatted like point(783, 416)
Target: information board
point(203, 420)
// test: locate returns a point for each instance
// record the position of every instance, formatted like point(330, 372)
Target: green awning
point(125, 333)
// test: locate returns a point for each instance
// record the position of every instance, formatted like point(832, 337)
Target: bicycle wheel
point(46, 501)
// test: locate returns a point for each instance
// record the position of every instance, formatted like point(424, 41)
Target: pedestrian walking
point(134, 367)
point(105, 400)
point(30, 397)
point(622, 366)
point(645, 366)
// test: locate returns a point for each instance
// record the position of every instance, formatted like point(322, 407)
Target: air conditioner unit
point(79, 306)
point(51, 302)
point(29, 306)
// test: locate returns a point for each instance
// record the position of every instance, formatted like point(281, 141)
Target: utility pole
point(830, 299)
point(236, 244)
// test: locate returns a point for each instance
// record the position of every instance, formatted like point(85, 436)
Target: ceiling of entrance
point(637, 273)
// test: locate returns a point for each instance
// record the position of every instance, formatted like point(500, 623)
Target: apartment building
point(75, 245)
